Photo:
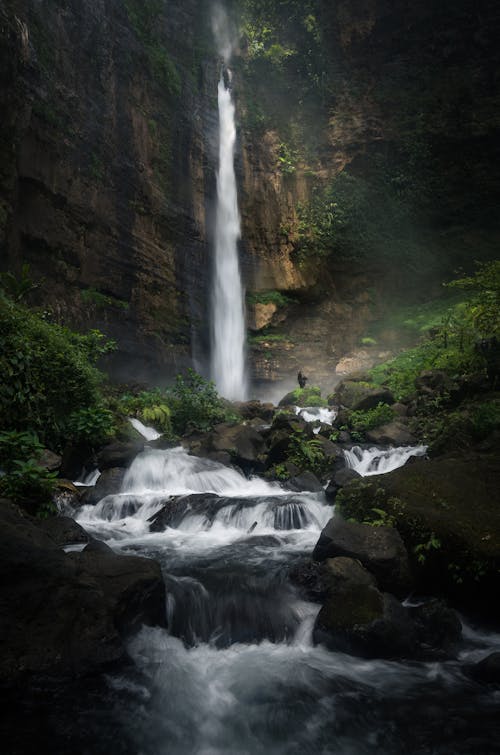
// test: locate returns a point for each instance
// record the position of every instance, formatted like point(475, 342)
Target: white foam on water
point(373, 461)
point(149, 433)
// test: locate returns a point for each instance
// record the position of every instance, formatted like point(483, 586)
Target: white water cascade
point(228, 312)
point(372, 461)
point(236, 669)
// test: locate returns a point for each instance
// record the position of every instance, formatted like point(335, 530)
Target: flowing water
point(236, 672)
point(228, 315)
point(373, 461)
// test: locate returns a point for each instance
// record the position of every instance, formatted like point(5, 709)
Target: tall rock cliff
point(367, 166)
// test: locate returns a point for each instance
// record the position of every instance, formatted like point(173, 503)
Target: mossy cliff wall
point(107, 166)
point(368, 138)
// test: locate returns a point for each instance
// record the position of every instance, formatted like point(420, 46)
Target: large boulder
point(379, 549)
point(66, 614)
point(445, 510)
point(357, 618)
point(361, 395)
point(119, 454)
point(305, 482)
point(488, 670)
point(241, 445)
point(394, 434)
point(250, 410)
point(109, 483)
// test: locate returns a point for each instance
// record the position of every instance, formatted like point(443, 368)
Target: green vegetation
point(269, 297)
point(309, 396)
point(306, 453)
point(93, 425)
point(267, 338)
point(192, 403)
point(450, 344)
point(23, 480)
point(48, 373)
point(144, 17)
point(361, 421)
point(93, 296)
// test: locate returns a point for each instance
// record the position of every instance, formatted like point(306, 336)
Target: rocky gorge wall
point(108, 159)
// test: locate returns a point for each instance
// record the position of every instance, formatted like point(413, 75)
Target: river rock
point(240, 445)
point(50, 460)
point(487, 670)
point(394, 433)
point(63, 530)
point(109, 483)
point(67, 614)
point(445, 510)
point(360, 395)
point(340, 478)
point(118, 454)
point(256, 410)
point(438, 627)
point(379, 549)
point(305, 482)
point(357, 618)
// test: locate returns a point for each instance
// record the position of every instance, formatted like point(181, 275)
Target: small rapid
point(373, 461)
point(236, 671)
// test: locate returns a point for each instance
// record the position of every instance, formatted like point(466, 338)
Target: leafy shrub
point(195, 404)
point(27, 483)
point(158, 415)
point(47, 372)
point(15, 446)
point(306, 453)
point(309, 396)
point(361, 421)
point(93, 424)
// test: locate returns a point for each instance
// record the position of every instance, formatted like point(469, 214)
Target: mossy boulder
point(357, 618)
point(304, 397)
point(361, 395)
point(378, 549)
point(445, 511)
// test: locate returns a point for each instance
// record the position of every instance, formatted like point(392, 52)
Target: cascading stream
point(228, 315)
point(236, 670)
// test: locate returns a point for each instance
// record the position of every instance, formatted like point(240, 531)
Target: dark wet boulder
point(311, 579)
point(486, 671)
point(132, 586)
point(50, 460)
point(240, 445)
point(176, 508)
point(64, 531)
point(394, 434)
point(359, 395)
point(340, 478)
point(67, 497)
point(250, 410)
point(445, 511)
point(118, 454)
point(109, 483)
point(379, 549)
point(357, 618)
point(305, 482)
point(67, 614)
point(438, 627)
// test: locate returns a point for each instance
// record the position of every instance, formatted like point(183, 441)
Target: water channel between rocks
point(236, 672)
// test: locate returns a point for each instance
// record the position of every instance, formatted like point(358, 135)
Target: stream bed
point(236, 672)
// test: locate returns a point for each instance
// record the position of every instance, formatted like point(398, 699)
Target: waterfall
point(228, 315)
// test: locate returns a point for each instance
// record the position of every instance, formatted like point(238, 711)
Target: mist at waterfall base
point(236, 672)
point(228, 312)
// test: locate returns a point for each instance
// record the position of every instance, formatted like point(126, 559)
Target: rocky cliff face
point(107, 169)
point(108, 159)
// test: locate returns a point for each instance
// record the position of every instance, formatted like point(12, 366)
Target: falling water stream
point(236, 672)
point(228, 316)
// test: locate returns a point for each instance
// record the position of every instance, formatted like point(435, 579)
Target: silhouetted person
point(302, 380)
